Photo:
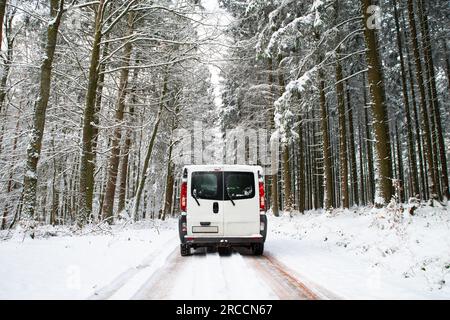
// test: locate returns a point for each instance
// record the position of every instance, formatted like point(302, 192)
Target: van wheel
point(224, 251)
point(258, 249)
point(185, 250)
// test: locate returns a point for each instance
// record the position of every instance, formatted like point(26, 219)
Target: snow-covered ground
point(74, 267)
point(368, 253)
point(359, 254)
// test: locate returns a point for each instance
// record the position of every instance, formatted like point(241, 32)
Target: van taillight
point(183, 197)
point(262, 202)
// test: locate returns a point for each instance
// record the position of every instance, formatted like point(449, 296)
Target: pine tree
point(384, 190)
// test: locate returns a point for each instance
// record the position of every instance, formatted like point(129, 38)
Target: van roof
point(225, 167)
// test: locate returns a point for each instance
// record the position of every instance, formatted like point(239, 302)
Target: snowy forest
point(353, 96)
point(91, 93)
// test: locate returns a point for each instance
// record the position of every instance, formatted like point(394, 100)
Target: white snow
point(73, 267)
point(368, 253)
point(363, 253)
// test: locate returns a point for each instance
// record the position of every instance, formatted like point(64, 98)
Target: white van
point(222, 206)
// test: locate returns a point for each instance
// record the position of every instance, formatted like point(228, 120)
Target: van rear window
point(239, 185)
point(207, 185)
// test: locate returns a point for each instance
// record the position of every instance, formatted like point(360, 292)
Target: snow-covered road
point(211, 276)
point(207, 276)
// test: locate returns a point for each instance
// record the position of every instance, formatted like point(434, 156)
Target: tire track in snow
point(206, 276)
point(122, 279)
point(308, 289)
point(159, 284)
point(282, 283)
point(165, 274)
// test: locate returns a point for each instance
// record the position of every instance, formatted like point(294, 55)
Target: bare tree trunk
point(285, 149)
point(328, 176)
point(380, 123)
point(86, 165)
point(37, 132)
point(400, 175)
point(409, 125)
point(368, 137)
point(421, 174)
point(361, 170)
point(274, 177)
point(126, 148)
point(447, 62)
point(108, 204)
point(351, 141)
point(439, 137)
point(287, 179)
point(150, 148)
point(345, 203)
point(169, 185)
point(55, 189)
point(428, 148)
point(168, 195)
point(301, 167)
point(11, 176)
point(7, 60)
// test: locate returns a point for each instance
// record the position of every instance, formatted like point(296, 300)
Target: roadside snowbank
point(68, 266)
point(367, 253)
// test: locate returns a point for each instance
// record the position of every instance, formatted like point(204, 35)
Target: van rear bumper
point(224, 241)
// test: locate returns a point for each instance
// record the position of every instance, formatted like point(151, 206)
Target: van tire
point(224, 251)
point(185, 250)
point(258, 249)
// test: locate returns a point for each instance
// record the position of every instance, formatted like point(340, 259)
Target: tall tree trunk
point(351, 141)
point(7, 60)
point(40, 108)
point(421, 174)
point(428, 148)
point(447, 61)
point(400, 174)
point(301, 167)
point(384, 188)
point(274, 176)
point(11, 176)
point(287, 179)
point(127, 147)
point(343, 157)
point(150, 148)
point(285, 149)
point(328, 176)
point(169, 184)
point(368, 137)
point(108, 204)
point(170, 179)
point(361, 170)
point(96, 122)
point(439, 139)
point(55, 188)
point(409, 125)
point(87, 166)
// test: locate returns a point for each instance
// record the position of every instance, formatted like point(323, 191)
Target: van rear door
point(205, 203)
point(241, 216)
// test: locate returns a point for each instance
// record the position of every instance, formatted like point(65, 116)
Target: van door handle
point(205, 223)
point(216, 207)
